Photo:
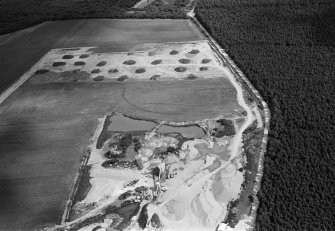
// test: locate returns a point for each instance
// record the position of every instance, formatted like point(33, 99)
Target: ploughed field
point(132, 95)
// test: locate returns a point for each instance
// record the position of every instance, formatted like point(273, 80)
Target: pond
point(186, 131)
point(120, 123)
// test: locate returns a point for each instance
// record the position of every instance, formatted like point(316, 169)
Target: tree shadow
point(324, 27)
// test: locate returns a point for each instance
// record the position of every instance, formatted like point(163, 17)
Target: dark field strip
point(286, 49)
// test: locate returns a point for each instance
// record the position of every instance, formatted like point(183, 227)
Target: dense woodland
point(181, 3)
point(287, 50)
point(19, 14)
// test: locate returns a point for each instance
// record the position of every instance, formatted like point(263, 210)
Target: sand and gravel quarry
point(158, 135)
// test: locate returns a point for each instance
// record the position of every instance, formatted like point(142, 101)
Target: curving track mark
point(141, 108)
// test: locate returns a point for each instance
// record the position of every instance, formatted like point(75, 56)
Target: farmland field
point(141, 74)
point(22, 49)
point(45, 128)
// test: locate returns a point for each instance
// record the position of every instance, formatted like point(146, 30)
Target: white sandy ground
point(258, 117)
point(197, 198)
point(190, 8)
point(243, 224)
point(250, 220)
point(191, 205)
point(107, 184)
point(143, 55)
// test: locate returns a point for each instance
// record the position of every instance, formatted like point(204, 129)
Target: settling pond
point(120, 123)
point(192, 131)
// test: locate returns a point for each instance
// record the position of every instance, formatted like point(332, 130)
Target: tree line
point(18, 14)
point(286, 48)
